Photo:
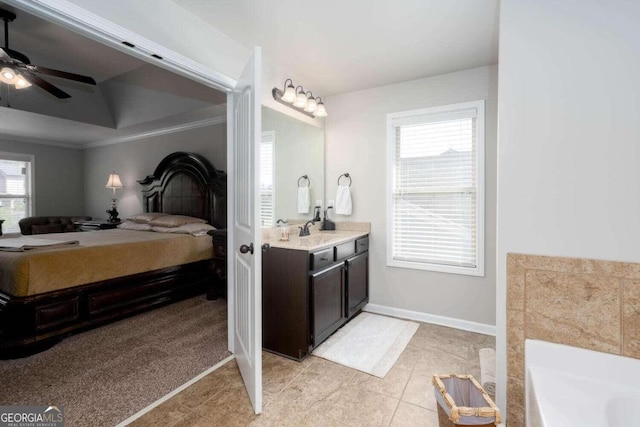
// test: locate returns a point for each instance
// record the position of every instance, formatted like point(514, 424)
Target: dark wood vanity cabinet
point(357, 291)
point(328, 302)
point(307, 296)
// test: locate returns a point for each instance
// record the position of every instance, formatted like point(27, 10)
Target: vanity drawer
point(345, 250)
point(362, 245)
point(321, 258)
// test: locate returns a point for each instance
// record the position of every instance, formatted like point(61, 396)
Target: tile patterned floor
point(316, 392)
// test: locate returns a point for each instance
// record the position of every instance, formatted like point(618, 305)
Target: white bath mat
point(369, 343)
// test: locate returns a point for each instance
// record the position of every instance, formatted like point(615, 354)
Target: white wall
point(137, 159)
point(355, 136)
point(569, 181)
point(58, 175)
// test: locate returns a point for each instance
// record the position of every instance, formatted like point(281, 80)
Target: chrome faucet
point(304, 231)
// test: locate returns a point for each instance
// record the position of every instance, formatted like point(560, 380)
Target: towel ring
point(346, 175)
point(304, 177)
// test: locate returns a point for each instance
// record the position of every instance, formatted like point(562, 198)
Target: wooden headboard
point(187, 184)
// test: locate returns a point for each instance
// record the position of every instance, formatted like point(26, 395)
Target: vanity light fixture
point(299, 100)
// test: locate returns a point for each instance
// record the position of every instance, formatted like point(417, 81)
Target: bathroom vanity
point(311, 286)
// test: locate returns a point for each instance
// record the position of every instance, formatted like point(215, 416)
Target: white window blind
point(266, 180)
point(16, 201)
point(437, 198)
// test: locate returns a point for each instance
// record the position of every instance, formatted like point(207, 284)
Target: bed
point(110, 274)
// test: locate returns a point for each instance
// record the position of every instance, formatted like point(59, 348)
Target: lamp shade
point(114, 181)
point(311, 104)
point(289, 94)
point(320, 110)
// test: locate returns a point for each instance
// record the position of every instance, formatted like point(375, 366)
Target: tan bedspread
point(100, 255)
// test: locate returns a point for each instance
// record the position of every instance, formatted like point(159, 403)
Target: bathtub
point(568, 386)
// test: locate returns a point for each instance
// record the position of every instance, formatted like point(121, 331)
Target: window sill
point(450, 269)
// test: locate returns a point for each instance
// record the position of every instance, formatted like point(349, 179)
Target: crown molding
point(39, 141)
point(157, 132)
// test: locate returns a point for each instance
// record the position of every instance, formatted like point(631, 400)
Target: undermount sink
point(568, 386)
point(319, 239)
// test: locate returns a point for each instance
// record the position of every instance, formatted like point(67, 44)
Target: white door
point(245, 255)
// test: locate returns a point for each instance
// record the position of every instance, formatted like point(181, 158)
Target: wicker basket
point(467, 391)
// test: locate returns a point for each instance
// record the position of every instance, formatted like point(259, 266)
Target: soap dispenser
point(284, 230)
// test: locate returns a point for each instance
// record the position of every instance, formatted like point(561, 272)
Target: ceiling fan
point(16, 68)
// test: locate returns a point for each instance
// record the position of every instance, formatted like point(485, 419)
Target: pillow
point(130, 225)
point(171, 221)
point(145, 218)
point(195, 229)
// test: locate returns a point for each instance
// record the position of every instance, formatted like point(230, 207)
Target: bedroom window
point(435, 175)
point(16, 189)
point(266, 179)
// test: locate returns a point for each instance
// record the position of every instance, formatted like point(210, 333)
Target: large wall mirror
point(290, 150)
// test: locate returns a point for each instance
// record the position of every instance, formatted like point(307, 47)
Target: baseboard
point(168, 396)
point(465, 325)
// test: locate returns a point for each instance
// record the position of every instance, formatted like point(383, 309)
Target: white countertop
point(316, 241)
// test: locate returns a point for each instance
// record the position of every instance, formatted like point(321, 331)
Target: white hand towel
point(303, 200)
point(343, 200)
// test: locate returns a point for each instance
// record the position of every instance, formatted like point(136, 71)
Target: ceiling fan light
point(21, 82)
point(7, 75)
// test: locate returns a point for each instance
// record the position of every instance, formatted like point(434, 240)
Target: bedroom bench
point(50, 224)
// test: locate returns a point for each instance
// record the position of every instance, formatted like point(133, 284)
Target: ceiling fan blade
point(62, 74)
point(4, 56)
point(53, 90)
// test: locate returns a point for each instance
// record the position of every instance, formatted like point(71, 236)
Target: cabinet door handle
point(266, 247)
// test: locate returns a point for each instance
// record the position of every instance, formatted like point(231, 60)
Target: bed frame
point(182, 184)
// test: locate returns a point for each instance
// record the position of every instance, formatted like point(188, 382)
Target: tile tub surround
point(579, 302)
point(318, 392)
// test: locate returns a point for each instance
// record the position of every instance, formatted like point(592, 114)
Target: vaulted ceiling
point(131, 96)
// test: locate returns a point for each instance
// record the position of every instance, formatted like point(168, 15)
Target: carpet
point(104, 375)
point(369, 343)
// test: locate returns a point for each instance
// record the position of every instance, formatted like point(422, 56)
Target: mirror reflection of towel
point(343, 200)
point(303, 200)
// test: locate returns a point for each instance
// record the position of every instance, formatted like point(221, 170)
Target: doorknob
point(244, 248)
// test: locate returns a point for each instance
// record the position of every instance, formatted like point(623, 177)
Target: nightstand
point(95, 225)
point(218, 264)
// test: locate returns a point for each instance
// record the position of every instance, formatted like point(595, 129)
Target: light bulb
point(320, 110)
point(289, 94)
point(7, 75)
point(21, 82)
point(301, 100)
point(311, 105)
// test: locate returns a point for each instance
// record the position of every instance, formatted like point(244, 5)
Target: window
point(436, 189)
point(16, 192)
point(266, 179)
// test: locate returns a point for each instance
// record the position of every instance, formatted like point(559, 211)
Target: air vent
point(128, 44)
